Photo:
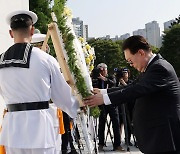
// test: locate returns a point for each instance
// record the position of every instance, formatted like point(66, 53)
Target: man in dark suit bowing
point(157, 92)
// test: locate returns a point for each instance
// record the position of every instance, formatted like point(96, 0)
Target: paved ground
point(108, 149)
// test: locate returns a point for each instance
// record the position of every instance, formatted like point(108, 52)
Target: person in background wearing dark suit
point(123, 80)
point(105, 81)
point(156, 115)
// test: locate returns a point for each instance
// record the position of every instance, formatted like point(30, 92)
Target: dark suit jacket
point(157, 109)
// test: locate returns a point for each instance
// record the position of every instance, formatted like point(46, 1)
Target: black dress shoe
point(119, 149)
point(129, 143)
point(73, 152)
point(100, 148)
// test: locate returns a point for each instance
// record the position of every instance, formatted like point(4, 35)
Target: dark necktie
point(102, 84)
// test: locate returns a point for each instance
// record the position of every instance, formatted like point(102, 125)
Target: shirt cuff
point(106, 99)
point(103, 91)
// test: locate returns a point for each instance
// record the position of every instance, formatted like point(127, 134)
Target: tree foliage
point(43, 11)
point(170, 49)
point(111, 53)
point(108, 52)
point(154, 49)
point(176, 22)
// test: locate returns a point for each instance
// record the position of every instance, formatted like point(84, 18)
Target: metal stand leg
point(77, 138)
point(125, 125)
point(109, 132)
point(95, 136)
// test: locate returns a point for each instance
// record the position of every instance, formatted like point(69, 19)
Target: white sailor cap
point(36, 38)
point(31, 14)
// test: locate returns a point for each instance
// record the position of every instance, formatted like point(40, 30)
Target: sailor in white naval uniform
point(29, 78)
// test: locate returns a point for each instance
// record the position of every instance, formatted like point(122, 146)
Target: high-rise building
point(141, 32)
point(116, 38)
point(153, 34)
point(168, 24)
point(85, 32)
point(80, 29)
point(107, 37)
point(78, 26)
point(124, 36)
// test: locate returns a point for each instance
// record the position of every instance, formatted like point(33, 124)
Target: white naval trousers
point(30, 151)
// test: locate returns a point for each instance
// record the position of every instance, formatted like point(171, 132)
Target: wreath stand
point(54, 33)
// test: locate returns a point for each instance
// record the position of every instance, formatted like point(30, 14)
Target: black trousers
point(114, 116)
point(128, 115)
point(66, 137)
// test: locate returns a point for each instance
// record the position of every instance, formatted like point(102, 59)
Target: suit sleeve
point(153, 80)
point(113, 89)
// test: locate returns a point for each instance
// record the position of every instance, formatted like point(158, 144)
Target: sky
point(118, 17)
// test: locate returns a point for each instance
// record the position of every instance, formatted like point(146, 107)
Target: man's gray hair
point(102, 65)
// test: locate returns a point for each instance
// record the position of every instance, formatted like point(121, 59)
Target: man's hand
point(102, 77)
point(123, 82)
point(94, 100)
point(96, 91)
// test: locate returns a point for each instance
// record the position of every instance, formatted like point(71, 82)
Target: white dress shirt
point(42, 81)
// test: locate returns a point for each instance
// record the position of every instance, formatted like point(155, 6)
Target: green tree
point(108, 52)
point(170, 49)
point(43, 11)
point(177, 21)
point(154, 49)
point(111, 53)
